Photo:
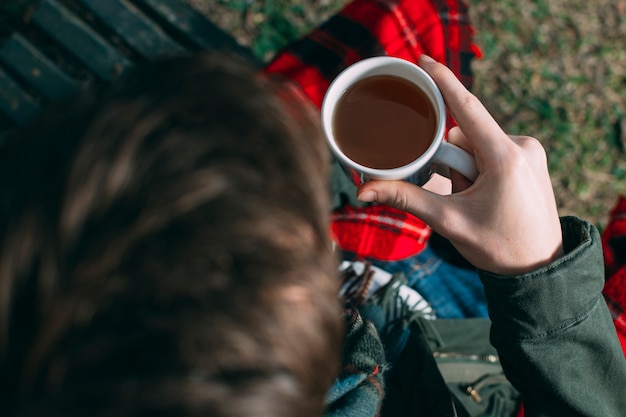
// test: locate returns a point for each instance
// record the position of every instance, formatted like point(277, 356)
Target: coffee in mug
point(384, 118)
point(384, 122)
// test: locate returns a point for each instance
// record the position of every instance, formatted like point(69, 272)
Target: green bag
point(438, 367)
point(470, 366)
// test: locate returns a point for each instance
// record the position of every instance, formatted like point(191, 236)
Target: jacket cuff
point(555, 296)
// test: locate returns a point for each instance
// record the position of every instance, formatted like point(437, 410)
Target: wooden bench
point(69, 44)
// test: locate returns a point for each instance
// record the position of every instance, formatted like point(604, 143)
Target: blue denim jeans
point(452, 291)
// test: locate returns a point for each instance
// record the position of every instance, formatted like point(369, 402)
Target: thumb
point(403, 196)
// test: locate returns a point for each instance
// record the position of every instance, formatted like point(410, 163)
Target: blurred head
point(164, 251)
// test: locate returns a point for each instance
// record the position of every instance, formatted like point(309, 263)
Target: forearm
point(554, 334)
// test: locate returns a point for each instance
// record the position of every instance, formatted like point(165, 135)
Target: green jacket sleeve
point(554, 333)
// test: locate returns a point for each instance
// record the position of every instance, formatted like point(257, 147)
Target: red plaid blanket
point(365, 28)
point(614, 246)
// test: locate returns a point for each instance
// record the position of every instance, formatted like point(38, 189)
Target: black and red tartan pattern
point(362, 29)
point(614, 247)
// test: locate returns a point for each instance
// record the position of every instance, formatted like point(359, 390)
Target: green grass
point(555, 70)
point(267, 26)
point(275, 28)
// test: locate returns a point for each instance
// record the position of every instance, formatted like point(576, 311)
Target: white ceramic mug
point(440, 155)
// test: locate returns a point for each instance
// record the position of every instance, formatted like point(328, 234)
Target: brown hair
point(164, 251)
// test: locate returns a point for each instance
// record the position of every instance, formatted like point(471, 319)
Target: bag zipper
point(473, 388)
point(467, 356)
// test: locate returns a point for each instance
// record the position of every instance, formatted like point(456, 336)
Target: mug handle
point(451, 156)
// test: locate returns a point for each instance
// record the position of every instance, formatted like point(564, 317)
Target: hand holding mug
point(506, 221)
point(384, 118)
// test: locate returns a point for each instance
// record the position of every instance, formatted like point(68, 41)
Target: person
point(543, 276)
point(391, 239)
point(164, 251)
point(392, 234)
point(167, 253)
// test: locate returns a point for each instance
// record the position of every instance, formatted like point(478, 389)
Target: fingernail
point(427, 59)
point(367, 196)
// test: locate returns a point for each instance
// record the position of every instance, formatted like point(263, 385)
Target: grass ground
point(553, 69)
point(556, 70)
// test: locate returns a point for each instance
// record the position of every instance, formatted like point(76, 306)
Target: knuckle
point(530, 144)
point(533, 148)
point(400, 200)
point(470, 101)
point(517, 161)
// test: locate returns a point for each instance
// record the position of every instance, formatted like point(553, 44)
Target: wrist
point(573, 233)
point(542, 300)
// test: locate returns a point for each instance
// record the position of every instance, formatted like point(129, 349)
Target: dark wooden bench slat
point(148, 39)
point(36, 69)
point(193, 26)
point(15, 103)
point(78, 38)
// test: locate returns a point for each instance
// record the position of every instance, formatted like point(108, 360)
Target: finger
point(468, 111)
point(403, 196)
point(459, 182)
point(438, 184)
point(457, 137)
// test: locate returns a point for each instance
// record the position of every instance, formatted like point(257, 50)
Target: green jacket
point(554, 334)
